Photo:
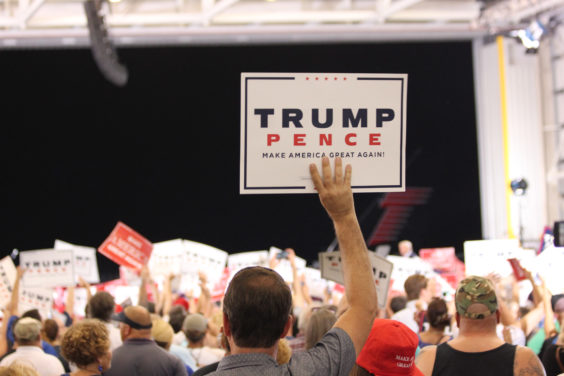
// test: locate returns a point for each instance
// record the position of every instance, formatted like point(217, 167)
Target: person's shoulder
point(527, 362)
point(425, 361)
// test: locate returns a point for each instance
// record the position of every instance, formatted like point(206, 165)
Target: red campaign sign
point(126, 247)
point(442, 259)
point(219, 288)
point(518, 270)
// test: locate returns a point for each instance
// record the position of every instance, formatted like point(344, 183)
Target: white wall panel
point(525, 139)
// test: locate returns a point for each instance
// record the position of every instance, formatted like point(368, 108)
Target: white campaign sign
point(167, 257)
point(36, 298)
point(289, 120)
point(549, 265)
point(238, 261)
point(205, 258)
point(284, 268)
point(8, 276)
point(47, 268)
point(317, 286)
point(85, 263)
point(332, 269)
point(490, 256)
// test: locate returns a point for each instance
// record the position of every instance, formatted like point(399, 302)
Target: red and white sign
point(441, 259)
point(36, 298)
point(47, 268)
point(290, 120)
point(126, 247)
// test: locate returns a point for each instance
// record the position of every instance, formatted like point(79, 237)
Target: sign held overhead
point(289, 120)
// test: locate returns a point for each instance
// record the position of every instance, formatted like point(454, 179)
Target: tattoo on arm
point(528, 365)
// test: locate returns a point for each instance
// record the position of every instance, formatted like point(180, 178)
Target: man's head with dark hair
point(102, 306)
point(33, 313)
point(257, 304)
point(413, 286)
point(398, 303)
point(50, 330)
point(176, 317)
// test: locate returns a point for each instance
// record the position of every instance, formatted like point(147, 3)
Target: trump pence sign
point(289, 120)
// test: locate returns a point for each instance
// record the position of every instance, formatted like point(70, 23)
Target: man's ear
point(457, 317)
point(498, 316)
point(287, 326)
point(226, 326)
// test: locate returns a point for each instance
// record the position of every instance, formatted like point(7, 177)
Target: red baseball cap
point(183, 302)
point(390, 350)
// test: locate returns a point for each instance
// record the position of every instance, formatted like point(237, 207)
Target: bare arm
point(336, 196)
point(82, 283)
point(538, 295)
point(10, 310)
point(69, 305)
point(527, 363)
point(167, 294)
point(425, 361)
point(143, 299)
point(297, 297)
point(549, 327)
point(204, 304)
point(12, 306)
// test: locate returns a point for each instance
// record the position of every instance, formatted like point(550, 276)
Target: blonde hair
point(320, 322)
point(18, 368)
point(284, 352)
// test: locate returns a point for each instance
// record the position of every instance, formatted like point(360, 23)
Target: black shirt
point(495, 362)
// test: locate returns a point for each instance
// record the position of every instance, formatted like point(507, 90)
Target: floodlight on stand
point(102, 48)
point(519, 186)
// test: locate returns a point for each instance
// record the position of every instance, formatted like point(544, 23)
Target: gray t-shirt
point(333, 355)
point(143, 357)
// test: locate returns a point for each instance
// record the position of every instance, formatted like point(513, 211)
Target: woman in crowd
point(319, 323)
point(87, 345)
point(438, 318)
point(18, 369)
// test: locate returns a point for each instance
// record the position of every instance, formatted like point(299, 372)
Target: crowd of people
point(265, 326)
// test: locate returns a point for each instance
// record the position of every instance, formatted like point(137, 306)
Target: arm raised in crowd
point(10, 310)
point(336, 196)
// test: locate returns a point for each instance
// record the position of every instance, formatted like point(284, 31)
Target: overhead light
point(531, 36)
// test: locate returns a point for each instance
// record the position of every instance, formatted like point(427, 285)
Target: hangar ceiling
point(63, 22)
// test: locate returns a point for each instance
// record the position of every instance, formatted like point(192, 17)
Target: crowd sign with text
point(8, 275)
point(289, 120)
point(332, 269)
point(126, 247)
point(85, 263)
point(47, 268)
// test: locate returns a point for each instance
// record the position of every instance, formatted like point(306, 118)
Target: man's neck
point(195, 345)
point(476, 341)
point(139, 336)
point(272, 351)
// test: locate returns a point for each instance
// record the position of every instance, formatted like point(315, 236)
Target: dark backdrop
point(162, 154)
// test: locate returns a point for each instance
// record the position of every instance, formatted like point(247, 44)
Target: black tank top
point(495, 362)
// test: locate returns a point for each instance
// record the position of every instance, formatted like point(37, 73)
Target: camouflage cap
point(472, 290)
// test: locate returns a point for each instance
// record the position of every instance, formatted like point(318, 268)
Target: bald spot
point(138, 314)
